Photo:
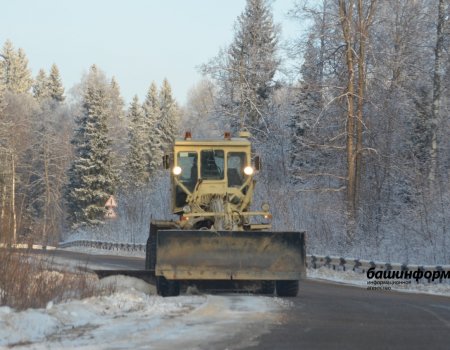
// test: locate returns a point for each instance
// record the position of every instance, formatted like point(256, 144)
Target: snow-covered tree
point(15, 73)
point(137, 168)
point(198, 114)
point(15, 136)
point(91, 178)
point(307, 112)
point(116, 103)
point(41, 86)
point(152, 129)
point(7, 63)
point(169, 118)
point(55, 87)
point(47, 157)
point(245, 72)
point(48, 160)
point(118, 126)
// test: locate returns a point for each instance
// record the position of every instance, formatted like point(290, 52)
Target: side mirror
point(166, 161)
point(257, 161)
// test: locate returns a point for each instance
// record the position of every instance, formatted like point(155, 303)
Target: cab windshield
point(212, 164)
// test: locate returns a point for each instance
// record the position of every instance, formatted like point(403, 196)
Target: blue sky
point(137, 41)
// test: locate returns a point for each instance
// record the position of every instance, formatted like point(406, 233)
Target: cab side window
point(187, 161)
point(235, 168)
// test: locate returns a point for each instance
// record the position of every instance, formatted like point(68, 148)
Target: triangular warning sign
point(111, 203)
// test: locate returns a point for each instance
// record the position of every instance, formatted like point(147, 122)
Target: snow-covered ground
point(360, 279)
point(134, 318)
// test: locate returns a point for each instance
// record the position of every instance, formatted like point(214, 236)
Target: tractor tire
point(167, 288)
point(267, 287)
point(287, 288)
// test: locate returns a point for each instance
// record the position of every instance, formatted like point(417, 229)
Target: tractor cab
point(211, 176)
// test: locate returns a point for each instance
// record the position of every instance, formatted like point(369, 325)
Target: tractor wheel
point(267, 287)
point(287, 288)
point(167, 288)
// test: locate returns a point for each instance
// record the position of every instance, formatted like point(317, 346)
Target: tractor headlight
point(186, 209)
point(248, 170)
point(265, 207)
point(176, 170)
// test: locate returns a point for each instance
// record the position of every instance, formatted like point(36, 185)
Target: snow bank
point(360, 279)
point(124, 283)
point(133, 317)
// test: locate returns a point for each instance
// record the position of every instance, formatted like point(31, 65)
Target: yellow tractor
point(218, 243)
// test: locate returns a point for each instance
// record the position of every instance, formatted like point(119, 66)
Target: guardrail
point(436, 273)
point(128, 247)
point(27, 246)
point(431, 273)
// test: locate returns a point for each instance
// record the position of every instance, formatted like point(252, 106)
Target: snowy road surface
point(133, 319)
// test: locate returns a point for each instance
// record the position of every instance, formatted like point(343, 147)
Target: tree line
point(61, 160)
point(353, 133)
point(355, 136)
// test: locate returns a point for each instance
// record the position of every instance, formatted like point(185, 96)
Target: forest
point(353, 133)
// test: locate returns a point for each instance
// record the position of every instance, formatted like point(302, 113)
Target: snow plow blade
point(225, 255)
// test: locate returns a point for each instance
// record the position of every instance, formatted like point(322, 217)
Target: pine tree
point(308, 106)
point(7, 63)
point(15, 73)
point(56, 90)
point(116, 100)
point(169, 115)
point(23, 73)
point(252, 63)
point(91, 179)
point(137, 164)
point(41, 86)
point(118, 127)
point(152, 112)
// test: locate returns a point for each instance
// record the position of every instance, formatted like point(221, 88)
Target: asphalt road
point(106, 261)
point(334, 316)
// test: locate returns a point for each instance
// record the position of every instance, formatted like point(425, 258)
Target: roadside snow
point(124, 283)
point(360, 279)
point(133, 318)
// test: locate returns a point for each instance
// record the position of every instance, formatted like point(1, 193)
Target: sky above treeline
point(137, 41)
